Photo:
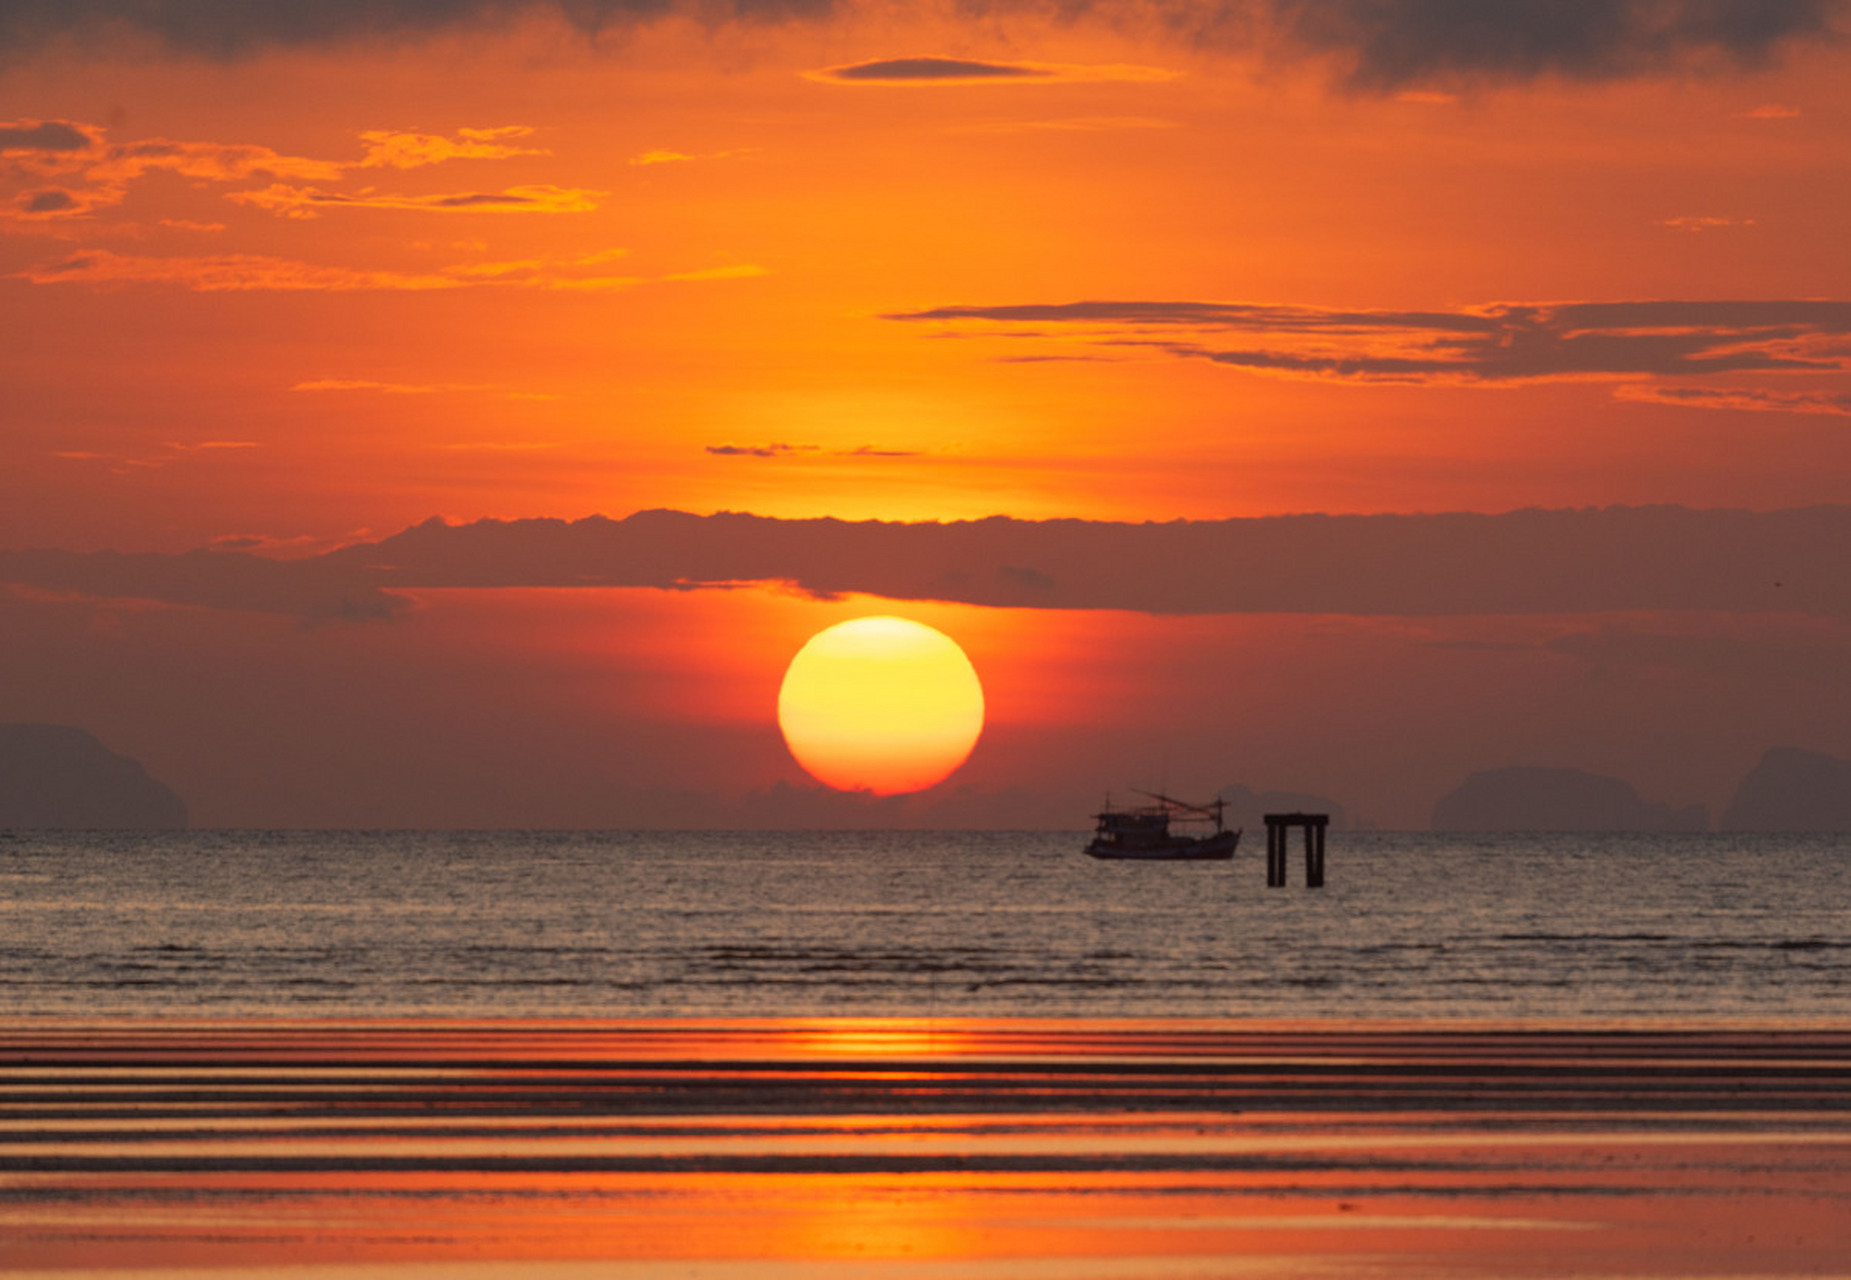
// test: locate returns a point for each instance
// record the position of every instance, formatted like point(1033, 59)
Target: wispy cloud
point(393, 150)
point(951, 71)
point(1706, 223)
point(782, 450)
point(1741, 398)
point(171, 451)
point(1498, 343)
point(665, 156)
point(65, 170)
point(311, 202)
point(1774, 111)
point(59, 169)
point(418, 388)
point(209, 161)
point(224, 273)
point(773, 450)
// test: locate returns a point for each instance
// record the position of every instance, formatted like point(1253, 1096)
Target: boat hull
point(1215, 848)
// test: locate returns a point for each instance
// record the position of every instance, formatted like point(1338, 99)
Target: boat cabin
point(1133, 828)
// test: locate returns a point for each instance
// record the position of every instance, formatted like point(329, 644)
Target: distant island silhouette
point(1792, 790)
point(54, 776)
point(1526, 798)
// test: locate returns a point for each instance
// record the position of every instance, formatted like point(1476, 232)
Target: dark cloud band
point(1522, 563)
point(1387, 44)
point(1374, 45)
point(1498, 343)
point(230, 28)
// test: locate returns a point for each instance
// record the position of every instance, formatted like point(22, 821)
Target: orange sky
point(284, 290)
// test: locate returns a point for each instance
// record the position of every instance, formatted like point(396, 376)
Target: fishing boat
point(1143, 833)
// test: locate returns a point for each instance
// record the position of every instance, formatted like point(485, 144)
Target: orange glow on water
point(881, 704)
point(995, 1148)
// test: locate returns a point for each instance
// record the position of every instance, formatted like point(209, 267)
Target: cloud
point(212, 161)
point(266, 542)
point(929, 71)
point(128, 464)
point(1774, 111)
point(311, 589)
point(233, 29)
point(78, 172)
point(781, 450)
point(1741, 398)
point(1370, 45)
point(1385, 45)
point(894, 70)
point(1534, 562)
point(51, 200)
point(735, 271)
point(1699, 223)
point(57, 204)
point(664, 156)
point(1498, 343)
point(416, 389)
point(309, 202)
point(387, 149)
point(56, 136)
point(68, 181)
point(773, 450)
point(221, 273)
point(226, 273)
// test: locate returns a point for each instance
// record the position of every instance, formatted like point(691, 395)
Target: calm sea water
point(496, 924)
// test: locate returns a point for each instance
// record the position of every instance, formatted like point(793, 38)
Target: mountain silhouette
point(1523, 798)
point(1793, 790)
point(54, 776)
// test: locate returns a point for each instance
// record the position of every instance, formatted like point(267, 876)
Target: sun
point(880, 704)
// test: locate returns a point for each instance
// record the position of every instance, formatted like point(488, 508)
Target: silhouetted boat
point(1144, 834)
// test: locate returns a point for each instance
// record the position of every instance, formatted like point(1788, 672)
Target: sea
point(1607, 929)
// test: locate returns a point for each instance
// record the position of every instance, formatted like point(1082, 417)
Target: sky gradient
point(1485, 369)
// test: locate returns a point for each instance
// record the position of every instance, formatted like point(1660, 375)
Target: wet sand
point(920, 1149)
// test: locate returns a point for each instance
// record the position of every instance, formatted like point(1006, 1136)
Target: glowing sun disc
point(880, 704)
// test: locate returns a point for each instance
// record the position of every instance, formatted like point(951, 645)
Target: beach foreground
point(915, 1148)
